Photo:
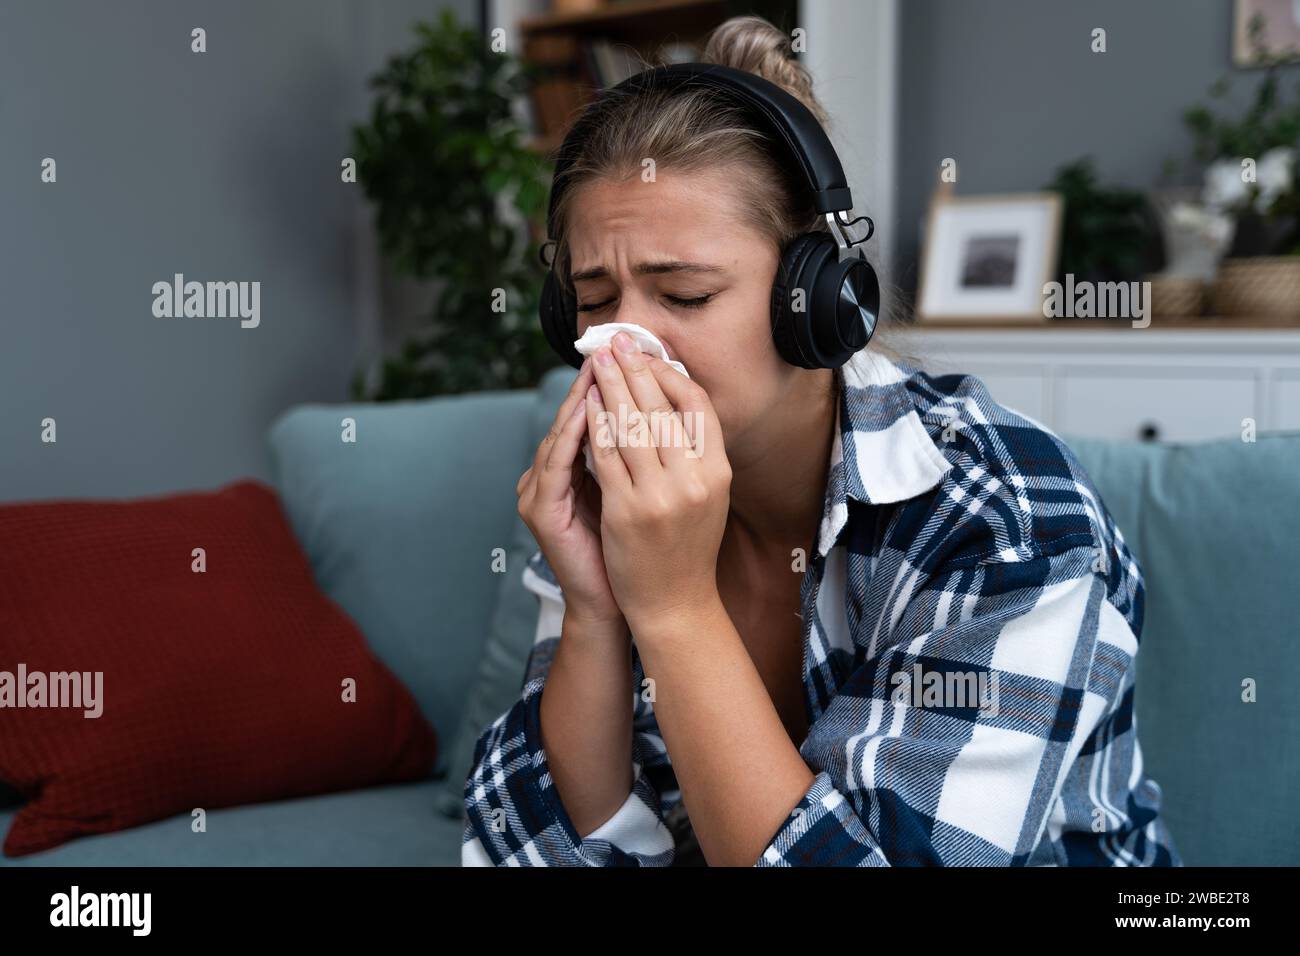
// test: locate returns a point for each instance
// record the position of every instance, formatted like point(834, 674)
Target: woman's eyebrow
point(648, 268)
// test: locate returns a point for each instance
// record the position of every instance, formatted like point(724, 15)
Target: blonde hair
point(694, 129)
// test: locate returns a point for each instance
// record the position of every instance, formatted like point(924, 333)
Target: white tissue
point(599, 335)
point(603, 334)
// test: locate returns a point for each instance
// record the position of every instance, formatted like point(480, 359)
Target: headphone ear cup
point(847, 297)
point(841, 303)
point(788, 278)
point(559, 315)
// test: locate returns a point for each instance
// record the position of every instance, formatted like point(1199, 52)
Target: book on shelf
point(575, 67)
point(610, 63)
point(562, 87)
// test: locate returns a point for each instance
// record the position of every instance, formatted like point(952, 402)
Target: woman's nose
point(631, 316)
point(633, 310)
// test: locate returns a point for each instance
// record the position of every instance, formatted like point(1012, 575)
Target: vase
point(1195, 239)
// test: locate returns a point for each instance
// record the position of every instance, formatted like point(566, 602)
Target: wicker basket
point(1179, 296)
point(1263, 285)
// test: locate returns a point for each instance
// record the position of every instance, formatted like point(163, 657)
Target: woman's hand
point(665, 483)
point(561, 504)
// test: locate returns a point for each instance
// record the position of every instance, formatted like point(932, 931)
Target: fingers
point(664, 424)
point(577, 391)
point(632, 430)
point(695, 411)
point(611, 469)
point(555, 478)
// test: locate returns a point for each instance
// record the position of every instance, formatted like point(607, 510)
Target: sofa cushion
point(202, 681)
point(400, 525)
point(392, 825)
point(1217, 534)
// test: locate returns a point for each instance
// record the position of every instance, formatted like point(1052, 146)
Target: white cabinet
point(1151, 384)
point(1153, 402)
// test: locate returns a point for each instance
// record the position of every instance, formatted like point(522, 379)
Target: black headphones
point(840, 299)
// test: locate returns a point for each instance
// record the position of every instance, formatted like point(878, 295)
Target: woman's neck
point(778, 475)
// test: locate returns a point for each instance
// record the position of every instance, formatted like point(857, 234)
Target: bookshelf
point(584, 51)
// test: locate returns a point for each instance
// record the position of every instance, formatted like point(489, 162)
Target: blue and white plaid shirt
point(970, 622)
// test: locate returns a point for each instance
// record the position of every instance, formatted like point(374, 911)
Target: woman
point(878, 619)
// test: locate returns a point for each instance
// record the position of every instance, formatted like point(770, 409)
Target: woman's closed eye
point(680, 302)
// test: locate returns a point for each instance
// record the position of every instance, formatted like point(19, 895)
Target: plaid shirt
point(970, 622)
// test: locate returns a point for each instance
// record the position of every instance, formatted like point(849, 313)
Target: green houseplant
point(1267, 206)
point(453, 184)
point(1108, 234)
point(1250, 178)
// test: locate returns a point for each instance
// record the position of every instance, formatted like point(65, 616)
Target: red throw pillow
point(219, 687)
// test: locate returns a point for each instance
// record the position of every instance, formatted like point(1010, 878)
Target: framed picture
point(1279, 30)
point(986, 258)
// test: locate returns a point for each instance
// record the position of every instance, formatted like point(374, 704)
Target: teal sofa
point(413, 530)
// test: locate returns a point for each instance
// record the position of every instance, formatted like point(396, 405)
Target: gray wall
point(221, 166)
point(1011, 90)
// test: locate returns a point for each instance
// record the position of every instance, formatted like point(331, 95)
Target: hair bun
point(756, 46)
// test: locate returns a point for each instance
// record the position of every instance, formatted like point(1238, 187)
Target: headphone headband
point(770, 106)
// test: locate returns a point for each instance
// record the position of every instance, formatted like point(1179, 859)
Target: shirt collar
point(881, 451)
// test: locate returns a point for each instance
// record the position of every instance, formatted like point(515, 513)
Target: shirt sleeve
point(1034, 669)
point(514, 815)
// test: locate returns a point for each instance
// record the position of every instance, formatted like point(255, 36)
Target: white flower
point(1225, 187)
point(1274, 176)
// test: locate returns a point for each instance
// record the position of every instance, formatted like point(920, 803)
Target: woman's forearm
point(586, 718)
point(740, 774)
